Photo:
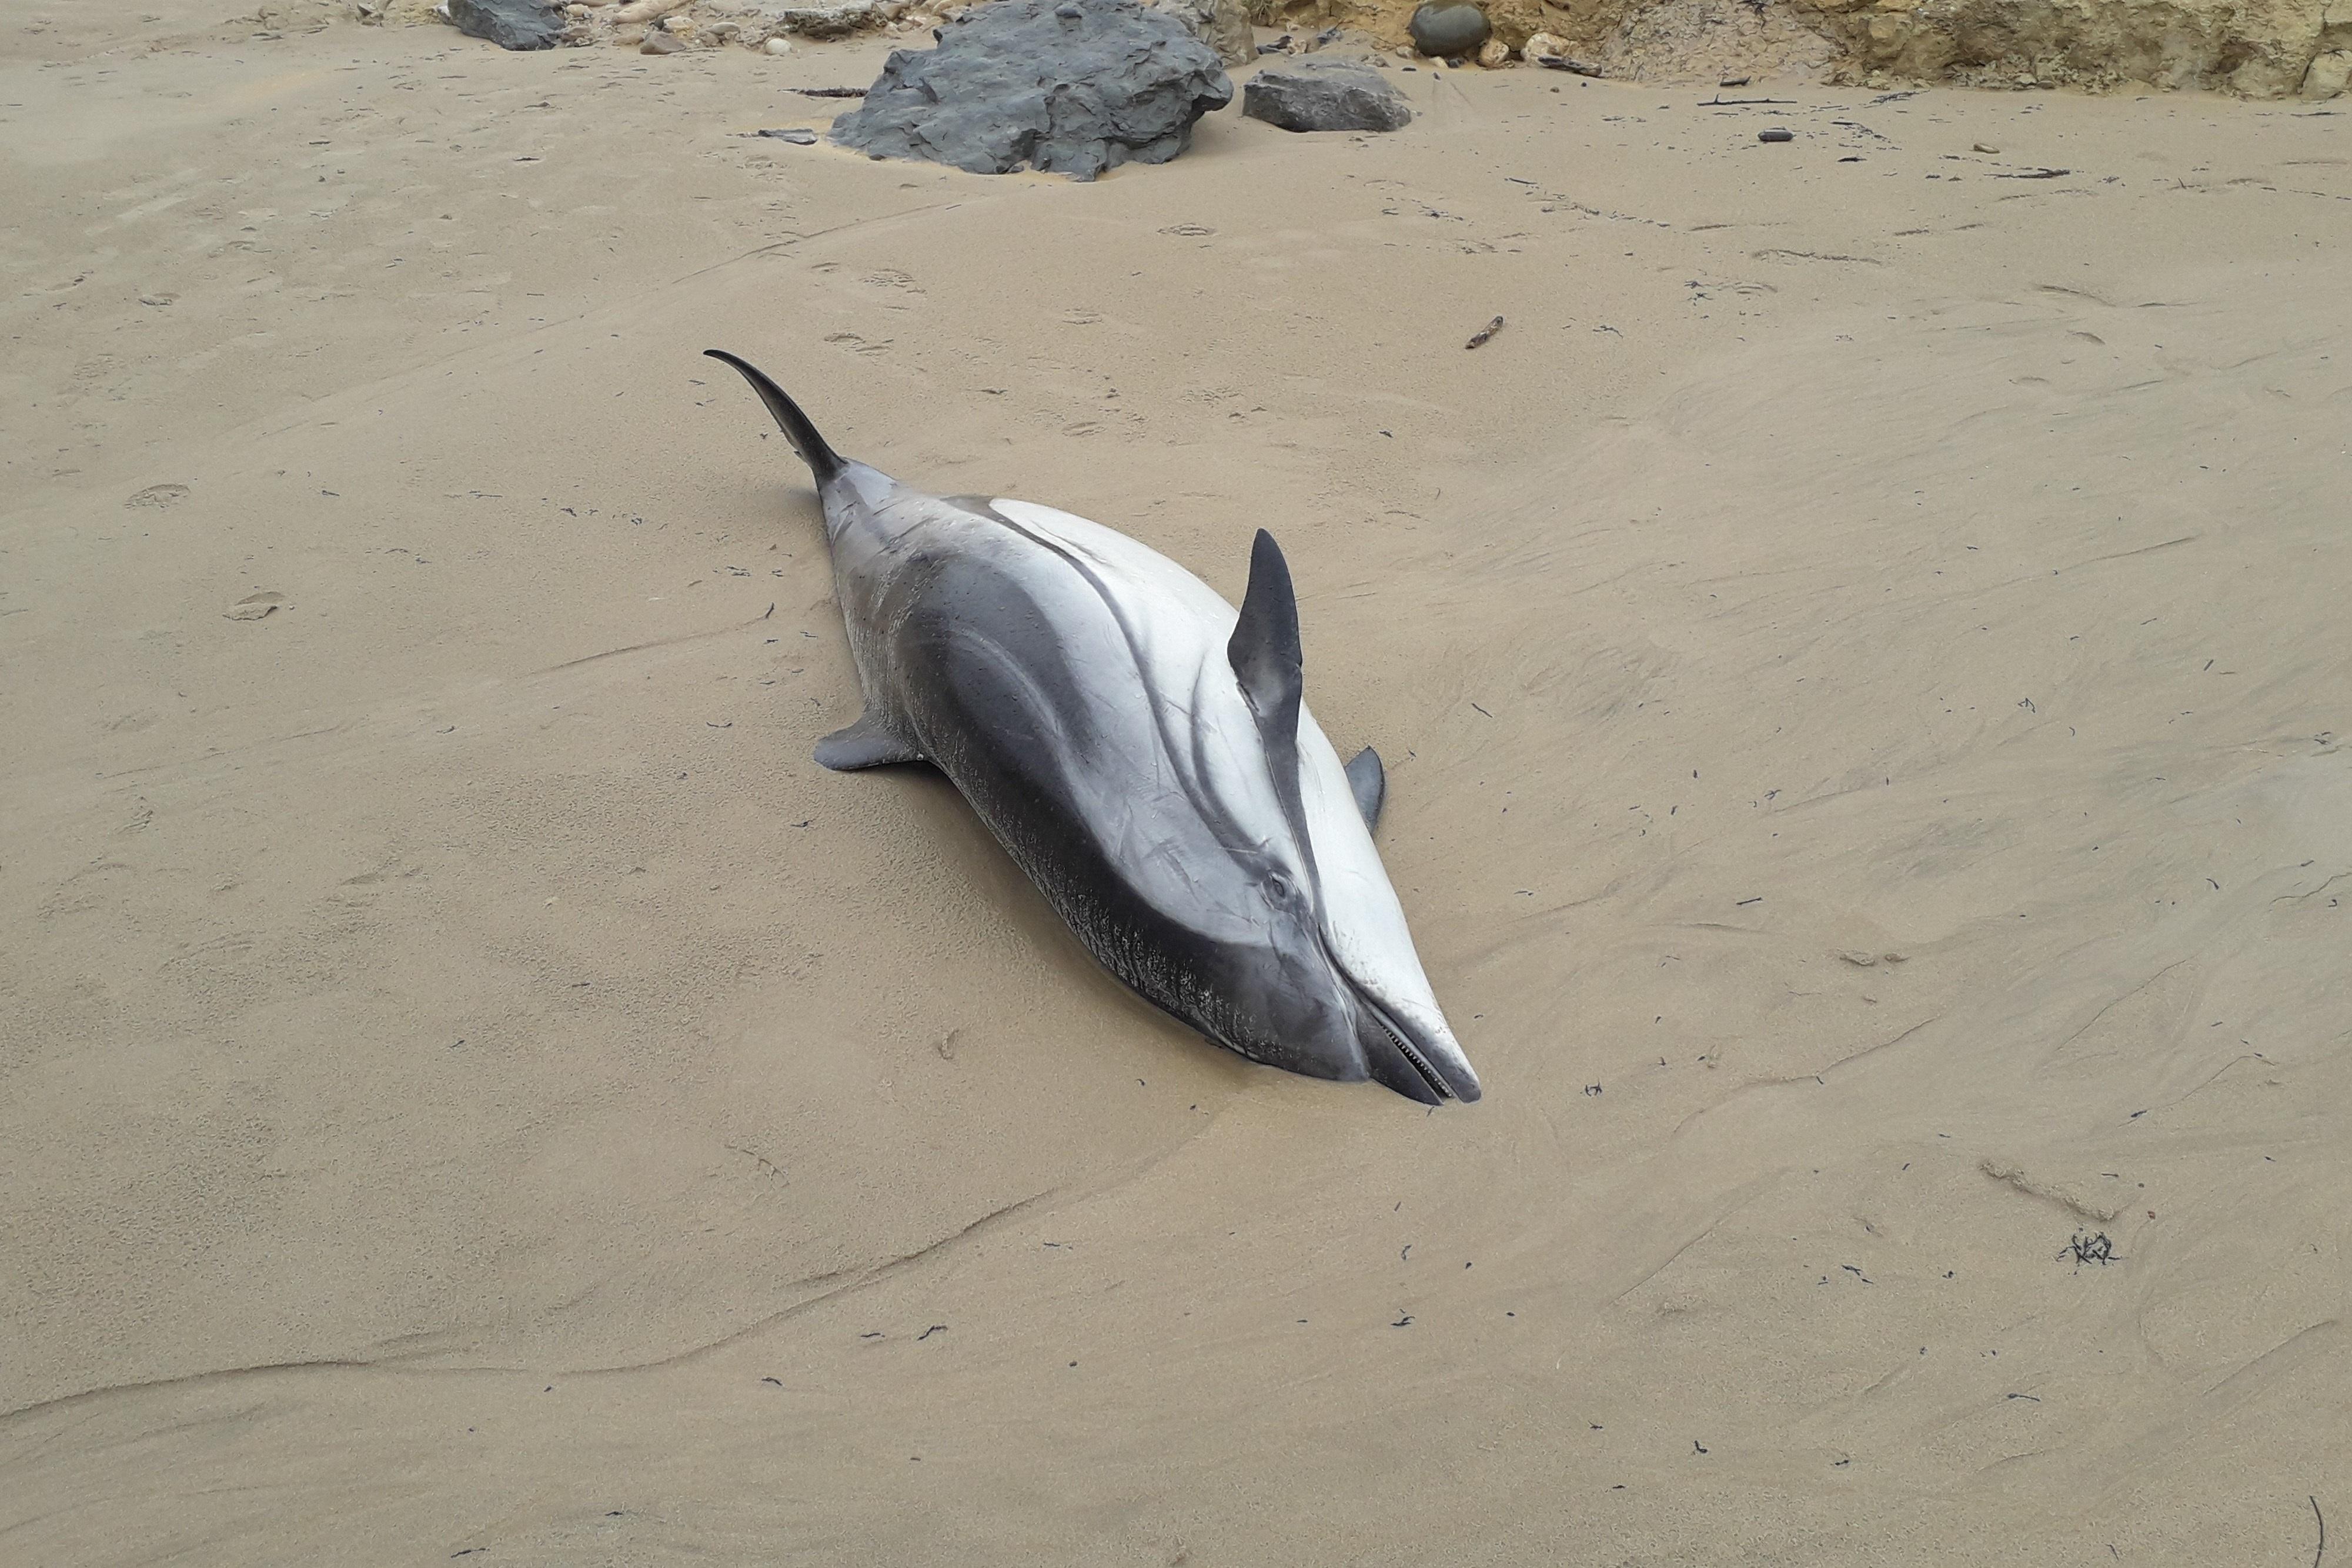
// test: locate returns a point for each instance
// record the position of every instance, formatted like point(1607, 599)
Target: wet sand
point(1861, 657)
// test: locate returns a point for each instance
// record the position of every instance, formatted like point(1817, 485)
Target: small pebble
point(1982, 147)
point(1776, 136)
point(777, 47)
point(662, 44)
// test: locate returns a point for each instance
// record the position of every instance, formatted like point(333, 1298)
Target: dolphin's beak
point(1420, 1063)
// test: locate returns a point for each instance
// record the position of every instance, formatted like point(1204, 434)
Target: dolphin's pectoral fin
point(1264, 650)
point(1369, 784)
point(869, 743)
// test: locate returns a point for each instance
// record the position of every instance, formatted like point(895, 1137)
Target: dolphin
point(1142, 751)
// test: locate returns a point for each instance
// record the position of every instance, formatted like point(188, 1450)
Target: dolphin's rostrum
point(1142, 751)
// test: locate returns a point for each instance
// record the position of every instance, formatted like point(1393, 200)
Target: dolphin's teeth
point(1414, 1058)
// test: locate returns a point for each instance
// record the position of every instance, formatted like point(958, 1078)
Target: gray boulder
point(509, 24)
point(1072, 86)
point(1442, 31)
point(1324, 95)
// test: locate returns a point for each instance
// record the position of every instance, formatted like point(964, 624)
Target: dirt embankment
point(2263, 48)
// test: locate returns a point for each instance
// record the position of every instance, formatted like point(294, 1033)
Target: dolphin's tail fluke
point(822, 460)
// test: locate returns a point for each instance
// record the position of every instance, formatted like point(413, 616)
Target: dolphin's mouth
point(1419, 1063)
point(1435, 1088)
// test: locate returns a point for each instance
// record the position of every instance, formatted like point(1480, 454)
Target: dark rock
point(1324, 95)
point(509, 24)
point(1448, 32)
point(1073, 87)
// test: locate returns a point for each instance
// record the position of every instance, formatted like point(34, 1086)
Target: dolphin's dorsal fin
point(869, 743)
point(1369, 784)
point(1264, 650)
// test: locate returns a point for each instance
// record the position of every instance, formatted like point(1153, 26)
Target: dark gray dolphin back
point(822, 460)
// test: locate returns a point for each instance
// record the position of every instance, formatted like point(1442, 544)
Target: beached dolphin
point(1142, 753)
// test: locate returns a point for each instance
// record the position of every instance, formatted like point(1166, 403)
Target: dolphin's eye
point(1280, 888)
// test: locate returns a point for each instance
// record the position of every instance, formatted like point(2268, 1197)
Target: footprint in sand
point(159, 496)
point(255, 606)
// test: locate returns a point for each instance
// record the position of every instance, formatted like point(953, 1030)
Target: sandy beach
point(1863, 664)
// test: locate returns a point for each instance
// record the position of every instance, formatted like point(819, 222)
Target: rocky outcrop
point(832, 21)
point(2262, 48)
point(1222, 25)
point(1388, 21)
point(1072, 86)
point(1324, 95)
